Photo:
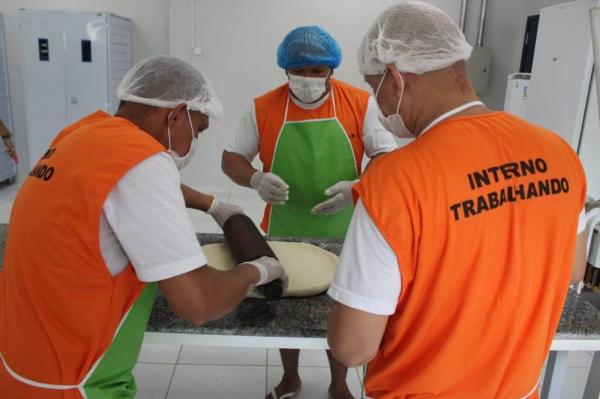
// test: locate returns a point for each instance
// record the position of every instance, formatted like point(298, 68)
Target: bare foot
point(286, 385)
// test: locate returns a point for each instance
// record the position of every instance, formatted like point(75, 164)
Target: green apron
point(310, 156)
point(112, 377)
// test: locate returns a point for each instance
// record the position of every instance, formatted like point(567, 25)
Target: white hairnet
point(415, 36)
point(166, 81)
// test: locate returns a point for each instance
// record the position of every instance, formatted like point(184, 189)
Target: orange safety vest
point(60, 307)
point(270, 110)
point(481, 212)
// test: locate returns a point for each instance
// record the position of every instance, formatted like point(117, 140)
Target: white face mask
point(307, 90)
point(394, 123)
point(182, 161)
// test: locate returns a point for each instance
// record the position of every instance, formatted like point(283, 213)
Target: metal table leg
point(592, 387)
point(556, 366)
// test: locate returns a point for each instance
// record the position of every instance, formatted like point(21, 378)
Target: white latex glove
point(221, 211)
point(340, 197)
point(270, 187)
point(270, 269)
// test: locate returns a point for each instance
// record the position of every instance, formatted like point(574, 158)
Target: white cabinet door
point(42, 35)
point(86, 64)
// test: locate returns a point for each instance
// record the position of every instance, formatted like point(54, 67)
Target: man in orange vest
point(311, 134)
point(463, 243)
point(99, 221)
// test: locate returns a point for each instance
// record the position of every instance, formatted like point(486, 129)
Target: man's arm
point(366, 288)
point(146, 213)
point(6, 137)
point(220, 211)
point(238, 168)
point(270, 187)
point(353, 335)
point(3, 129)
point(195, 199)
point(242, 149)
point(206, 294)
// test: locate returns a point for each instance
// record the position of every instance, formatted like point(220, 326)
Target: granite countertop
point(307, 317)
point(287, 317)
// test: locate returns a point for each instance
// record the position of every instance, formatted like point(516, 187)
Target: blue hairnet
point(308, 45)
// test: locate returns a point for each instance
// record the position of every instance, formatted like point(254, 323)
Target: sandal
point(288, 395)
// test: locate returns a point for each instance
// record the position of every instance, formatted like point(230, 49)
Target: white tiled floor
point(198, 355)
point(217, 382)
point(230, 373)
point(175, 372)
point(155, 353)
point(153, 380)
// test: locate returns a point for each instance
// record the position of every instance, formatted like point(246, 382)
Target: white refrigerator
point(562, 90)
point(517, 94)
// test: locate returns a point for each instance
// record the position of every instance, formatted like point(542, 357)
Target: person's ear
point(180, 110)
point(176, 114)
point(399, 82)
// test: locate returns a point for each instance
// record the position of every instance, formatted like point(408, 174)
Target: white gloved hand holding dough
point(270, 187)
point(270, 269)
point(340, 196)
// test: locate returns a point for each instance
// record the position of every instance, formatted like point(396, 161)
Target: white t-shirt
point(144, 220)
point(368, 274)
point(376, 139)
